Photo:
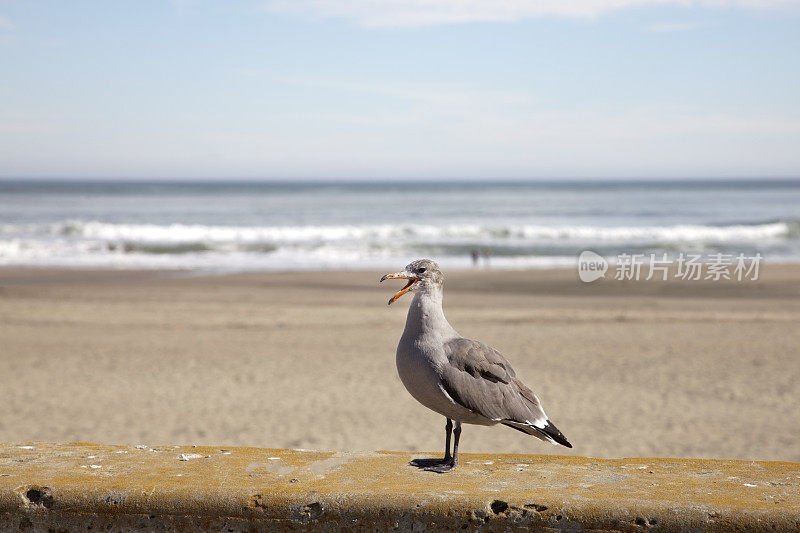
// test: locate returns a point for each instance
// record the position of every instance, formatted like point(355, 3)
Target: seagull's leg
point(447, 428)
point(448, 463)
point(428, 463)
point(457, 434)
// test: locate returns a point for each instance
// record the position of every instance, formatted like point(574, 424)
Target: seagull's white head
point(422, 275)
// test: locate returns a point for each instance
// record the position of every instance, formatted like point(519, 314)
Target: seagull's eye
point(421, 270)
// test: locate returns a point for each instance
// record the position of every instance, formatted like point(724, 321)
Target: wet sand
point(306, 360)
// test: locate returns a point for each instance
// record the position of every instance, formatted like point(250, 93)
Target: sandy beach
point(306, 360)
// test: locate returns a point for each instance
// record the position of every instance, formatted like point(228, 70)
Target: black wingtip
point(551, 431)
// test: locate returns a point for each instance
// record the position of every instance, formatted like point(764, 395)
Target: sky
point(399, 89)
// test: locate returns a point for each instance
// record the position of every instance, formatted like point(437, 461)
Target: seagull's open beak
point(412, 279)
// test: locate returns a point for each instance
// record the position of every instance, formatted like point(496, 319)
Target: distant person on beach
point(475, 256)
point(487, 254)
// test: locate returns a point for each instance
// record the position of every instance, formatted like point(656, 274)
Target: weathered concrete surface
point(70, 487)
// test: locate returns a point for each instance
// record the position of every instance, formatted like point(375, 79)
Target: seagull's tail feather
point(548, 433)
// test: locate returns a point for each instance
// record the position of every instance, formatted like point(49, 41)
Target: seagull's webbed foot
point(425, 463)
point(442, 467)
point(449, 462)
point(435, 465)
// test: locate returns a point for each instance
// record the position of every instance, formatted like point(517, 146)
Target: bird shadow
point(433, 465)
point(423, 463)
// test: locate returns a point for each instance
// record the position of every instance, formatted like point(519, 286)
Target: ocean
point(229, 226)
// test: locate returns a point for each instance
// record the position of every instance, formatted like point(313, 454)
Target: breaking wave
point(94, 243)
point(183, 233)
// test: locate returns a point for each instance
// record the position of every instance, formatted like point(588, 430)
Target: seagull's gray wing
point(479, 378)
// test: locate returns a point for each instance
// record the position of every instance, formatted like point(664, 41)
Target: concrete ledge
point(70, 487)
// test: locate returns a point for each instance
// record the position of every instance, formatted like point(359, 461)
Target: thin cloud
point(5, 24)
point(443, 96)
point(648, 141)
point(673, 27)
point(416, 13)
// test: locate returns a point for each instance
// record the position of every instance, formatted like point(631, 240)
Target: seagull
point(463, 380)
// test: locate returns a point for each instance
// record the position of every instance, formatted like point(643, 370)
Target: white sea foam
point(181, 233)
point(101, 244)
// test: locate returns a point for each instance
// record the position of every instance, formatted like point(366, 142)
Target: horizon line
point(382, 180)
